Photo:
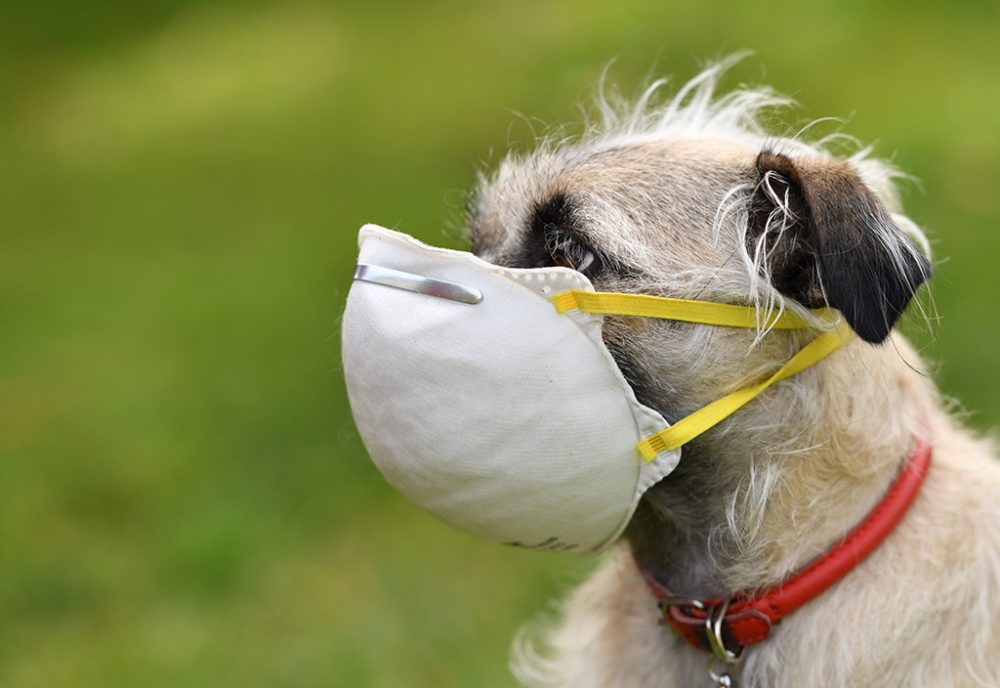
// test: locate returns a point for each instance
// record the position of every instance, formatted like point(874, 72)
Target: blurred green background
point(183, 499)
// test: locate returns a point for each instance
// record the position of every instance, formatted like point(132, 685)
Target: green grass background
point(183, 499)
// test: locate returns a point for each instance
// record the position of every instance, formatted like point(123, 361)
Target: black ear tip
point(873, 316)
point(871, 332)
point(872, 325)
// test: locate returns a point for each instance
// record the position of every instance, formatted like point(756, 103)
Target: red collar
point(746, 618)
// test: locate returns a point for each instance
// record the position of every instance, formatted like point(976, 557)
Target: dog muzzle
point(486, 394)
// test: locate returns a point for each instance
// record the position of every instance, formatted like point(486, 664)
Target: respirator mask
point(486, 394)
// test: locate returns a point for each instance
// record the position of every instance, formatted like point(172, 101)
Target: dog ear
point(826, 239)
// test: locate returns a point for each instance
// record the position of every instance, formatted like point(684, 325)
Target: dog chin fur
point(668, 193)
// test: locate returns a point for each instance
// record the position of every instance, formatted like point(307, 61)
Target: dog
point(690, 196)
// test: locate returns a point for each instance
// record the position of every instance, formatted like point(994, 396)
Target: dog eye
point(570, 253)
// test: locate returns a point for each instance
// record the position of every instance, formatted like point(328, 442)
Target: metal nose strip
point(418, 283)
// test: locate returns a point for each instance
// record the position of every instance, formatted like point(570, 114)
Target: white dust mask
point(487, 396)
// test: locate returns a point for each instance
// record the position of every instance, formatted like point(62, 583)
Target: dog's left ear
point(827, 237)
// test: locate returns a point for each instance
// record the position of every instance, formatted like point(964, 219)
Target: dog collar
point(726, 625)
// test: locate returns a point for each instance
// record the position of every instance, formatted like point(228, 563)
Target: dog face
point(705, 213)
point(693, 199)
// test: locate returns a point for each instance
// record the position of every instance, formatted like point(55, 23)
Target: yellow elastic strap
point(705, 312)
point(688, 428)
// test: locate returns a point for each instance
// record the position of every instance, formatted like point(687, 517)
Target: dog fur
point(693, 197)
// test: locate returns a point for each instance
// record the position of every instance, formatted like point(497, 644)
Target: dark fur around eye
point(554, 238)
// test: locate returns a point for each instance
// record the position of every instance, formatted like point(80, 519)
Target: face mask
point(487, 396)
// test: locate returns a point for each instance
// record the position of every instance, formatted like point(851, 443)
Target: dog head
point(693, 199)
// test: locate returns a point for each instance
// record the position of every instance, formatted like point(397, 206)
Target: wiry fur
point(664, 193)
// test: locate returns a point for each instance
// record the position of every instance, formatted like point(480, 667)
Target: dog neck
point(750, 504)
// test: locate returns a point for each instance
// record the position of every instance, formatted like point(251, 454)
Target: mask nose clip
point(376, 274)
